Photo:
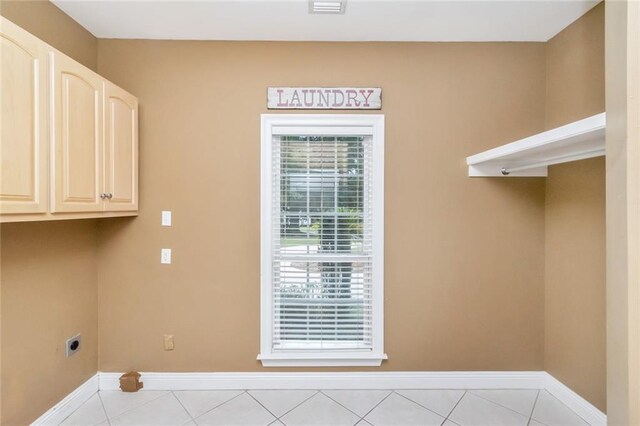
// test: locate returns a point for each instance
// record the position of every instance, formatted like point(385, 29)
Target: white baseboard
point(69, 404)
point(347, 380)
point(333, 380)
point(578, 404)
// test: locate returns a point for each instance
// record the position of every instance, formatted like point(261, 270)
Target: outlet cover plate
point(72, 347)
point(168, 342)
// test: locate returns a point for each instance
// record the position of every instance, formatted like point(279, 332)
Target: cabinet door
point(76, 137)
point(121, 149)
point(23, 121)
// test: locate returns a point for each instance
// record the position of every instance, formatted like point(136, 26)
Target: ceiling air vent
point(327, 6)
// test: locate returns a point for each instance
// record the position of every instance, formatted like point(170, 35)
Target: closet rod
point(558, 160)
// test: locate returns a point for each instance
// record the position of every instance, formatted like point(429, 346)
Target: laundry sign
point(324, 98)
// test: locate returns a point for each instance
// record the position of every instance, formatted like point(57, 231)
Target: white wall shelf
point(531, 156)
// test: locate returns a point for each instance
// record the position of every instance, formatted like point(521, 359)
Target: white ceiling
point(364, 20)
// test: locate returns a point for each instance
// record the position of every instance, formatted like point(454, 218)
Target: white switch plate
point(165, 256)
point(166, 218)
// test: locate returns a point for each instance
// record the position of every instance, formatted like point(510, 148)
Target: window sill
point(322, 360)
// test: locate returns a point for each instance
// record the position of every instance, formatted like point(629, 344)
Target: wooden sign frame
point(357, 98)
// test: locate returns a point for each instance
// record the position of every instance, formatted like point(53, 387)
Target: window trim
point(321, 124)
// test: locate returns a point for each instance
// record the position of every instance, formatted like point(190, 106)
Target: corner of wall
point(43, 19)
point(48, 289)
point(575, 326)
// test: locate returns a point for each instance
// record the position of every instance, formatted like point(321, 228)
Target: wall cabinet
point(120, 149)
point(76, 137)
point(23, 122)
point(69, 138)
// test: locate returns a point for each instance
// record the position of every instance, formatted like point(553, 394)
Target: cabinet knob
point(109, 195)
point(103, 196)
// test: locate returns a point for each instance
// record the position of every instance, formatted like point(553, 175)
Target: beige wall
point(575, 70)
point(575, 302)
point(49, 294)
point(465, 258)
point(575, 314)
point(48, 271)
point(43, 19)
point(464, 268)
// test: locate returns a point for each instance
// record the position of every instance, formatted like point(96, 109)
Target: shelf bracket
point(564, 159)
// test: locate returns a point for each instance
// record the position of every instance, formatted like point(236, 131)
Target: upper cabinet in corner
point(120, 149)
point(69, 137)
point(24, 139)
point(531, 156)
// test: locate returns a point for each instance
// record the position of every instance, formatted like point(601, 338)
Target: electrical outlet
point(165, 256)
point(73, 345)
point(168, 342)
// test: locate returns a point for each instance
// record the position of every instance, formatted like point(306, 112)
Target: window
point(322, 236)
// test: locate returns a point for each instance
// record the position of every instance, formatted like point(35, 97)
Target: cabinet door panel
point(77, 137)
point(121, 149)
point(23, 130)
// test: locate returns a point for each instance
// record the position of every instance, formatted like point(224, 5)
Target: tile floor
point(326, 407)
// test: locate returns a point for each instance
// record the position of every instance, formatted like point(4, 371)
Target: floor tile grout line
point(263, 406)
point(533, 408)
point(138, 406)
point(500, 405)
point(79, 407)
point(347, 408)
point(314, 394)
point(220, 405)
point(105, 413)
point(183, 407)
point(420, 405)
point(456, 406)
point(375, 406)
point(537, 421)
point(343, 406)
point(104, 409)
point(464, 392)
point(565, 405)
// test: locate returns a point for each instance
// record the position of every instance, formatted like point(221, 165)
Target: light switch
point(165, 256)
point(166, 218)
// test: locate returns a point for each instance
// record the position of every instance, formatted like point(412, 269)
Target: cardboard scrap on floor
point(130, 382)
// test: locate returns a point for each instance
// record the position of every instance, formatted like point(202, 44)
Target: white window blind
point(322, 236)
point(322, 242)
